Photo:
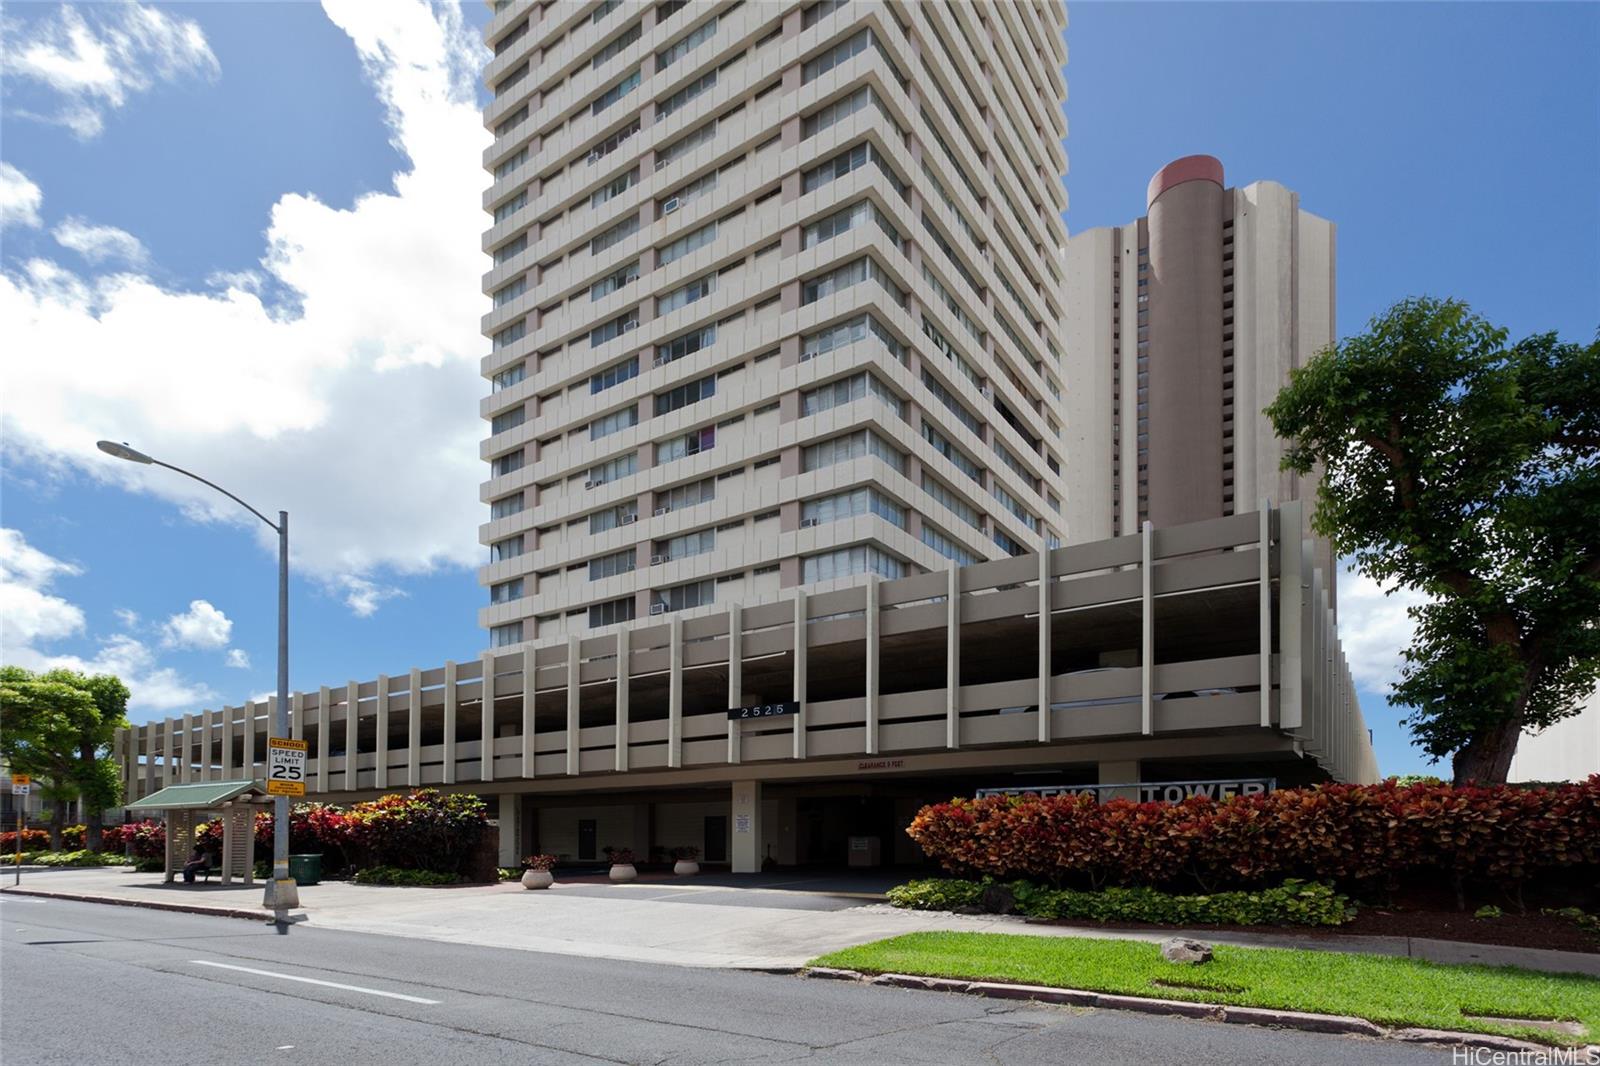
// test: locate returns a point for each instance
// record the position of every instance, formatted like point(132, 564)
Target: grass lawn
point(1389, 991)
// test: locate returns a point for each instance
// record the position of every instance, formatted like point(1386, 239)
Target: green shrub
point(509, 874)
point(394, 875)
point(1488, 911)
point(80, 858)
point(1292, 903)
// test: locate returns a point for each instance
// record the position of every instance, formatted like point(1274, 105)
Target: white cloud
point(30, 614)
point(98, 244)
point(201, 626)
point(1374, 628)
point(238, 659)
point(129, 618)
point(353, 405)
point(95, 64)
point(20, 198)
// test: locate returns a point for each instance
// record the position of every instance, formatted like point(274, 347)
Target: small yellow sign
point(21, 779)
point(286, 766)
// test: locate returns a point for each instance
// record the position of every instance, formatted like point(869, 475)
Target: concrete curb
point(1284, 1019)
point(154, 905)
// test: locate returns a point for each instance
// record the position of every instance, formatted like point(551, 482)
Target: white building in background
point(1567, 751)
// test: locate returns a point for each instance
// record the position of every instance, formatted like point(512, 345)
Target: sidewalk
point(718, 922)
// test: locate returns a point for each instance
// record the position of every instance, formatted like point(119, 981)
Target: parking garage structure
point(807, 730)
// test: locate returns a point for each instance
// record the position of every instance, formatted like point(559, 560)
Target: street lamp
point(281, 891)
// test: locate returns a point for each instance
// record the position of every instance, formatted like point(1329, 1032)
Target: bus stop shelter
point(186, 806)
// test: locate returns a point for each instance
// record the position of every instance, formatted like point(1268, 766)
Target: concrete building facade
point(1182, 326)
point(777, 301)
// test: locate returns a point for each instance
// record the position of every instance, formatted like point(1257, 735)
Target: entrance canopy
point(236, 801)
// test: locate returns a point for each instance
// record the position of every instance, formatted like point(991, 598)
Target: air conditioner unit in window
point(657, 560)
point(662, 510)
point(658, 608)
point(669, 205)
point(631, 324)
point(594, 155)
point(807, 523)
point(629, 519)
point(593, 484)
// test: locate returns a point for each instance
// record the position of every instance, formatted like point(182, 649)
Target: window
point(684, 395)
point(686, 294)
point(508, 419)
point(849, 505)
point(842, 52)
point(847, 390)
point(511, 79)
point(848, 219)
point(706, 81)
point(1012, 504)
point(949, 351)
point(511, 334)
point(942, 445)
point(511, 206)
point(608, 331)
point(615, 187)
point(605, 566)
point(844, 277)
point(676, 499)
point(506, 591)
point(614, 375)
point(951, 303)
point(503, 636)
point(964, 510)
point(617, 279)
point(502, 550)
point(682, 597)
point(861, 559)
point(614, 422)
point(844, 163)
point(686, 144)
point(955, 406)
point(691, 443)
point(604, 8)
point(814, 13)
point(612, 234)
point(611, 612)
point(506, 506)
point(612, 517)
point(843, 449)
point(1009, 544)
point(618, 44)
point(687, 544)
point(502, 465)
point(511, 38)
point(940, 542)
point(840, 110)
point(687, 344)
point(686, 244)
point(621, 89)
point(688, 193)
point(677, 50)
point(511, 249)
point(849, 332)
point(620, 467)
point(508, 377)
point(511, 292)
point(610, 144)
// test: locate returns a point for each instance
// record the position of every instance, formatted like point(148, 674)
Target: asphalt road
point(87, 984)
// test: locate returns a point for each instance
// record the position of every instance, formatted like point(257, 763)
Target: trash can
point(305, 869)
point(866, 851)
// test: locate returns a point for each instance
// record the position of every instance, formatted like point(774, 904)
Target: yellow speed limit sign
point(286, 766)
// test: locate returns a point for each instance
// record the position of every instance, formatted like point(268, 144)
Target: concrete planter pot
point(537, 879)
point(624, 871)
point(685, 867)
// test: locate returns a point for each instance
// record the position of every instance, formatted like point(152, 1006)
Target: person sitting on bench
point(199, 862)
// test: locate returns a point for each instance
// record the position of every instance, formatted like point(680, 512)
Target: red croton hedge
point(1342, 833)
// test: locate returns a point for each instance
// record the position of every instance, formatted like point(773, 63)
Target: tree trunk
point(94, 820)
point(58, 822)
point(1486, 758)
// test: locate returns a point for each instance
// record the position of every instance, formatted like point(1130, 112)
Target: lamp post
point(281, 892)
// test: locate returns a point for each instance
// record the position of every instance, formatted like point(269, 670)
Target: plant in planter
point(536, 871)
point(622, 868)
point(688, 861)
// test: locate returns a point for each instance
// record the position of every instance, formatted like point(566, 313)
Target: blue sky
point(1456, 147)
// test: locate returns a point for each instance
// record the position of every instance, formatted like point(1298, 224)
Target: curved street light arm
point(219, 488)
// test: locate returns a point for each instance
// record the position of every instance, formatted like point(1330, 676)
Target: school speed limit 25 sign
point(286, 766)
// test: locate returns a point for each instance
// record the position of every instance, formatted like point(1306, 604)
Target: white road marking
point(314, 981)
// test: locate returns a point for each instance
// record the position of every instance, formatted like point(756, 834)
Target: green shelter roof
point(200, 795)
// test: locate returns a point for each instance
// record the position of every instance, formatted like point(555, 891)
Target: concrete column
point(801, 643)
point(620, 740)
point(572, 705)
point(206, 737)
point(352, 734)
point(186, 753)
point(450, 706)
point(510, 829)
point(675, 692)
point(874, 665)
point(380, 777)
point(529, 669)
point(414, 729)
point(227, 845)
point(150, 757)
point(249, 753)
point(952, 658)
point(486, 760)
point(324, 780)
point(746, 854)
point(1147, 634)
point(297, 715)
point(1044, 646)
point(1119, 772)
point(735, 678)
point(1264, 597)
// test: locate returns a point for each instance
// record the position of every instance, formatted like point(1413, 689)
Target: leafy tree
point(1468, 469)
point(58, 726)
